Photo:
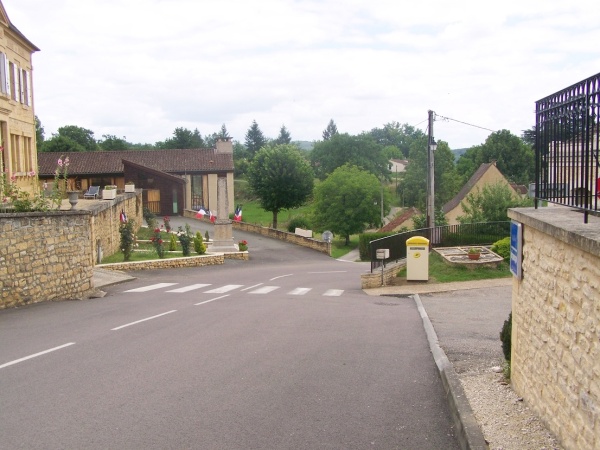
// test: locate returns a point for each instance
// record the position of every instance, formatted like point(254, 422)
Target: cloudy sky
point(140, 68)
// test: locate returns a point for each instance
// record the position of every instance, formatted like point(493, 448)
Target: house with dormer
point(18, 157)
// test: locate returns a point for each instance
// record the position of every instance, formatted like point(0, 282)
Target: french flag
point(123, 217)
point(212, 216)
point(237, 216)
point(201, 213)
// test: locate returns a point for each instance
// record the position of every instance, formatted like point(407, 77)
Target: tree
point(182, 138)
point(490, 204)
point(281, 178)
point(112, 142)
point(82, 136)
point(330, 131)
point(211, 140)
point(255, 140)
point(61, 144)
point(39, 134)
point(399, 136)
point(361, 151)
point(284, 136)
point(347, 201)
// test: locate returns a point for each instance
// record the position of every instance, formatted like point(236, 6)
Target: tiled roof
point(398, 221)
point(466, 188)
point(198, 160)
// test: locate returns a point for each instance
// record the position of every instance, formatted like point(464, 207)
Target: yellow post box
point(417, 259)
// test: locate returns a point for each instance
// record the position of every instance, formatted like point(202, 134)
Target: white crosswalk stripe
point(151, 287)
point(264, 290)
point(223, 289)
point(191, 287)
point(299, 291)
point(333, 292)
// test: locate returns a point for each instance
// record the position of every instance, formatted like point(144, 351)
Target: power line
point(465, 123)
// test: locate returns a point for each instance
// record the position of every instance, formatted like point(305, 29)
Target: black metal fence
point(484, 233)
point(566, 147)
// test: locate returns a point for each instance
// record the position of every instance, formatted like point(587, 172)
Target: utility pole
point(431, 146)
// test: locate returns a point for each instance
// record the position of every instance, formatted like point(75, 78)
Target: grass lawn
point(444, 273)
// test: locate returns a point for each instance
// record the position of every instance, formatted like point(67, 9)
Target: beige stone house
point(171, 180)
point(18, 158)
point(486, 174)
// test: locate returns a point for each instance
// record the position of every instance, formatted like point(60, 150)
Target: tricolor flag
point(201, 213)
point(237, 216)
point(212, 216)
point(123, 217)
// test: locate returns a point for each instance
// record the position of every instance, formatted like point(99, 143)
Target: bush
point(505, 337)
point(199, 246)
point(150, 219)
point(502, 247)
point(298, 222)
point(127, 238)
point(363, 243)
point(172, 243)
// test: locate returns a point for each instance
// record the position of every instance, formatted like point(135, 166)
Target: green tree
point(255, 140)
point(284, 136)
point(361, 151)
point(347, 201)
point(281, 178)
point(182, 138)
point(39, 134)
point(330, 131)
point(490, 204)
point(112, 142)
point(82, 136)
point(399, 136)
point(61, 144)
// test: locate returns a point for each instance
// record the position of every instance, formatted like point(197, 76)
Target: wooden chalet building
point(172, 180)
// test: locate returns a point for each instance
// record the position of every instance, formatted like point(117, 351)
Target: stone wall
point(188, 261)
point(45, 256)
point(373, 280)
point(314, 244)
point(556, 323)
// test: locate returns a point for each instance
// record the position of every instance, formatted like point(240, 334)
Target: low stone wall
point(188, 261)
point(373, 280)
point(556, 323)
point(321, 246)
point(45, 256)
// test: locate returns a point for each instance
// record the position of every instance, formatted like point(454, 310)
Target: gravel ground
point(468, 324)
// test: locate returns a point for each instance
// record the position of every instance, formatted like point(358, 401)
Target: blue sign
point(516, 249)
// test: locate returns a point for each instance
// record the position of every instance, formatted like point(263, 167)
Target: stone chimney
point(224, 145)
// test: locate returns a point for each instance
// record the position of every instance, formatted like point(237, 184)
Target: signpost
point(516, 249)
point(383, 254)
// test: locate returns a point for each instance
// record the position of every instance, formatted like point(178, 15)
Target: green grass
point(253, 213)
point(339, 247)
point(444, 273)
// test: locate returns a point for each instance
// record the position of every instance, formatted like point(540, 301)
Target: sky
point(138, 69)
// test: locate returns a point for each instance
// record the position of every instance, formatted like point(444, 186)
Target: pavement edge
point(468, 432)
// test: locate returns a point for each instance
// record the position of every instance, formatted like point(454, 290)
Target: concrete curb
point(468, 433)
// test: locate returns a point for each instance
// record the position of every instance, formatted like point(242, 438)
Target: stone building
point(18, 157)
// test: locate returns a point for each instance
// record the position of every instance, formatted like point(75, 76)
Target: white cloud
point(141, 68)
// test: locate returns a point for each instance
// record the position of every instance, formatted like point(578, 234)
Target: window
point(14, 81)
point(25, 87)
point(4, 75)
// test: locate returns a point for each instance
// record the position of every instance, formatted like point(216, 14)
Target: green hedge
point(363, 243)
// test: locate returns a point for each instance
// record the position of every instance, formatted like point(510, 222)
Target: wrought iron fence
point(484, 233)
point(566, 147)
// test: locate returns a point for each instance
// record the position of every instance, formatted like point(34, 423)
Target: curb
point(468, 433)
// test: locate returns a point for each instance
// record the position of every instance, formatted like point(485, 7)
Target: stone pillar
point(223, 237)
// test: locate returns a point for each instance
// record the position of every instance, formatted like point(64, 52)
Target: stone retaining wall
point(556, 323)
point(187, 261)
point(314, 244)
point(373, 280)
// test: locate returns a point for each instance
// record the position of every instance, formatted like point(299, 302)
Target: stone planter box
point(130, 188)
point(109, 194)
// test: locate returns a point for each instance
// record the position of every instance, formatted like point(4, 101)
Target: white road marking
point(334, 292)
point(264, 290)
point(16, 361)
point(191, 287)
point(211, 300)
point(251, 287)
point(223, 289)
point(151, 287)
point(143, 320)
point(282, 276)
point(299, 291)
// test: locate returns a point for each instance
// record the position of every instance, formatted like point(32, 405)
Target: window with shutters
point(13, 74)
point(4, 75)
point(25, 88)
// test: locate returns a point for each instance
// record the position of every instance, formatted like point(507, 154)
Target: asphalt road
point(295, 356)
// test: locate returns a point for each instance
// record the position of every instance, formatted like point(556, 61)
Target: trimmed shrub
point(298, 222)
point(502, 247)
point(505, 337)
point(363, 243)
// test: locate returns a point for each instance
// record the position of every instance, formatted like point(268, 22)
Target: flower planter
point(130, 188)
point(73, 198)
point(474, 256)
point(109, 194)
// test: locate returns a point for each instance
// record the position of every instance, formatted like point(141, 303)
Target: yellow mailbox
point(417, 259)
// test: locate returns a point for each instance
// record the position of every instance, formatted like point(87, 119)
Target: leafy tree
point(420, 220)
point(284, 136)
point(62, 144)
point(490, 204)
point(399, 136)
point(39, 134)
point(281, 178)
point(469, 162)
point(347, 202)
point(112, 142)
point(255, 140)
point(528, 136)
point(392, 152)
point(82, 136)
point(182, 138)
point(330, 131)
point(361, 151)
